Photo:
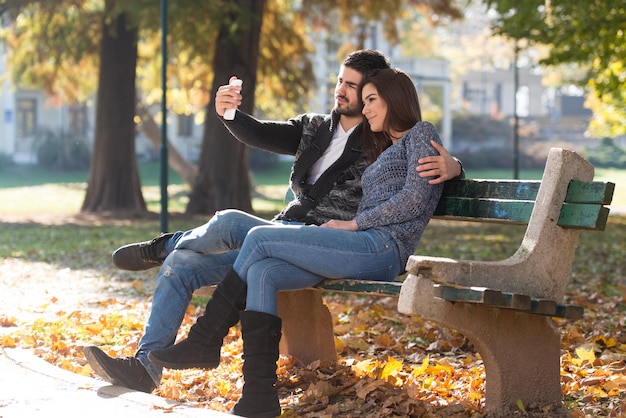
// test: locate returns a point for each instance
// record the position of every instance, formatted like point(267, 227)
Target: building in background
point(27, 115)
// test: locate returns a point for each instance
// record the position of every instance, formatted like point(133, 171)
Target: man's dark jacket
point(337, 193)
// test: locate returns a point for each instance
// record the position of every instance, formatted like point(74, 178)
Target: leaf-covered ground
point(56, 301)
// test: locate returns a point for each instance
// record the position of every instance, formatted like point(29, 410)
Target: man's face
point(346, 100)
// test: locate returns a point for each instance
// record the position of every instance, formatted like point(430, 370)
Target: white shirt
point(332, 153)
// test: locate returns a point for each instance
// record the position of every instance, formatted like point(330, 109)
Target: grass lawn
point(32, 190)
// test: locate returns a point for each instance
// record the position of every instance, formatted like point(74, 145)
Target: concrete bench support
point(521, 352)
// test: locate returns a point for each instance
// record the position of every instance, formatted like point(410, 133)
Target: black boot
point(261, 334)
point(202, 346)
point(125, 371)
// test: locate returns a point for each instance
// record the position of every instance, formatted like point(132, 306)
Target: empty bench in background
point(504, 308)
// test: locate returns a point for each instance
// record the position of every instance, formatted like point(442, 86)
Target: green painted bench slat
point(506, 300)
point(559, 310)
point(583, 216)
point(361, 286)
point(578, 191)
point(543, 306)
point(594, 192)
point(518, 301)
point(493, 189)
point(470, 294)
point(485, 210)
point(583, 207)
point(569, 311)
point(573, 215)
point(484, 296)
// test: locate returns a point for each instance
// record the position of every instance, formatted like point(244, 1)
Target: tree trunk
point(152, 131)
point(223, 170)
point(114, 184)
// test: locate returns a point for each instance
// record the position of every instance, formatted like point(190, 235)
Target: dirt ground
point(31, 290)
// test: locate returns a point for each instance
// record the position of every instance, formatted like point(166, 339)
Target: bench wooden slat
point(485, 210)
point(506, 300)
point(501, 201)
point(365, 287)
point(584, 216)
point(483, 296)
point(569, 311)
point(512, 201)
point(493, 189)
point(543, 307)
point(518, 301)
point(578, 191)
point(471, 294)
point(590, 192)
point(573, 215)
point(558, 310)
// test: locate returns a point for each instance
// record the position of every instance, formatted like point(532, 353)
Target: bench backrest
point(513, 201)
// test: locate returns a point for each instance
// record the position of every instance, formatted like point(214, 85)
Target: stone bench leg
point(521, 352)
point(307, 326)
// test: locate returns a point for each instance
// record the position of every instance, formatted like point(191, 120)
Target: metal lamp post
point(163, 154)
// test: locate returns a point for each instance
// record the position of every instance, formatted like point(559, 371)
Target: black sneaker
point(140, 255)
point(127, 371)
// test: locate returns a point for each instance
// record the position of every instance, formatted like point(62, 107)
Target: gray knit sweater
point(395, 198)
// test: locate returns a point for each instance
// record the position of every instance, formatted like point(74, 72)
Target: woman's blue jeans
point(198, 257)
point(288, 257)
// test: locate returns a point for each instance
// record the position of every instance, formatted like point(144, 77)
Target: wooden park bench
point(505, 308)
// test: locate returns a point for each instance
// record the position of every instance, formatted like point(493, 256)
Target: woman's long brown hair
point(403, 108)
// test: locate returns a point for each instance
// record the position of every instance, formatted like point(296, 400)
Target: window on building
point(185, 125)
point(77, 116)
point(523, 101)
point(476, 96)
point(26, 117)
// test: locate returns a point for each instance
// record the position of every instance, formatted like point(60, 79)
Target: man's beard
point(347, 110)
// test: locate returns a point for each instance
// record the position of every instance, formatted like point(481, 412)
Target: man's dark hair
point(365, 60)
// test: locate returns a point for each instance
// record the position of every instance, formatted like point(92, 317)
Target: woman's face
point(374, 108)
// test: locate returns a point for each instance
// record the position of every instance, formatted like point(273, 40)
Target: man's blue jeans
point(196, 258)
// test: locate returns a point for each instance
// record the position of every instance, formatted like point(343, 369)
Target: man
point(325, 180)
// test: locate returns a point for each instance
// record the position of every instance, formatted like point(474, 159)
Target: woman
point(394, 211)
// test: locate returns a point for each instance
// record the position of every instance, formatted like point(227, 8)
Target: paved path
point(31, 387)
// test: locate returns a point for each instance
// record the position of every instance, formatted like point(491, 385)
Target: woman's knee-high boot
point(261, 334)
point(203, 344)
